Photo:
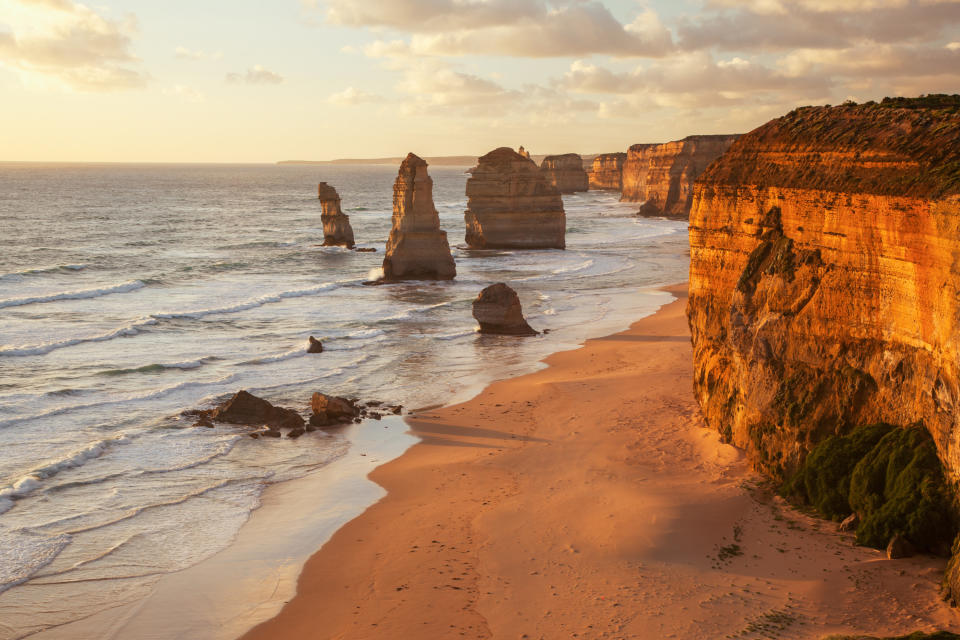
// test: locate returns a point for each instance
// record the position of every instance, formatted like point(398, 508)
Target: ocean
point(130, 293)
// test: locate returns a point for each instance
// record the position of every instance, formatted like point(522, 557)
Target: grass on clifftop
point(890, 476)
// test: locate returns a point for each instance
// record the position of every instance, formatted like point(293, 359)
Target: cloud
point(351, 97)
point(256, 74)
point(187, 94)
point(183, 53)
point(71, 43)
point(778, 25)
point(523, 28)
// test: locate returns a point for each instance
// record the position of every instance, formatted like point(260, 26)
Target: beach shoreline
point(588, 500)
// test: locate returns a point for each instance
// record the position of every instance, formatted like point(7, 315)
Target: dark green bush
point(890, 476)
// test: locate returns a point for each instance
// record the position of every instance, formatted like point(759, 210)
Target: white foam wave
point(82, 294)
point(23, 553)
point(33, 480)
point(44, 348)
point(18, 275)
point(252, 303)
point(286, 355)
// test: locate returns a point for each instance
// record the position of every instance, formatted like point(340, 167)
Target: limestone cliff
point(825, 279)
point(662, 175)
point(511, 205)
point(337, 231)
point(607, 171)
point(417, 248)
point(565, 172)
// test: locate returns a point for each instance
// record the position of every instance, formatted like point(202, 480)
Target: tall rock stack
point(662, 175)
point(565, 172)
point(337, 231)
point(511, 205)
point(417, 248)
point(607, 171)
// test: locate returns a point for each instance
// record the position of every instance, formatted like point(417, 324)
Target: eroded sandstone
point(511, 205)
point(607, 171)
point(663, 175)
point(337, 231)
point(417, 248)
point(565, 172)
point(498, 311)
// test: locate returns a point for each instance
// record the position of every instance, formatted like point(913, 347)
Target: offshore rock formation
point(662, 175)
point(565, 172)
point(498, 311)
point(824, 283)
point(417, 248)
point(337, 231)
point(511, 205)
point(607, 171)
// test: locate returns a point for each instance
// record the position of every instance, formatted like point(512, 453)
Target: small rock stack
point(565, 172)
point(337, 231)
point(498, 311)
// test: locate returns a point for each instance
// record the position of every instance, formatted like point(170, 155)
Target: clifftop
point(900, 146)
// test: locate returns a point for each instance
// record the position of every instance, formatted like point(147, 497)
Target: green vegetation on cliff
point(899, 147)
point(890, 476)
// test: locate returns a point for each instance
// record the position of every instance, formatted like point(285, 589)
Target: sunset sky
point(259, 81)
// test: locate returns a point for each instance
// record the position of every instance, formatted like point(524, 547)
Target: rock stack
point(337, 231)
point(511, 205)
point(607, 171)
point(565, 172)
point(417, 248)
point(662, 175)
point(524, 152)
point(498, 311)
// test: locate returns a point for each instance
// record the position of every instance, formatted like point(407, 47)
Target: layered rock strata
point(498, 311)
point(607, 171)
point(511, 205)
point(663, 175)
point(824, 279)
point(565, 172)
point(337, 231)
point(417, 248)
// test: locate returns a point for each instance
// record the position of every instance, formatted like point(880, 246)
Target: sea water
point(130, 293)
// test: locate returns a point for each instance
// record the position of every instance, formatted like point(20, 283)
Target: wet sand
point(587, 500)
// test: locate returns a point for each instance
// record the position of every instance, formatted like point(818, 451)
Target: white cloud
point(187, 94)
point(352, 96)
point(184, 53)
point(71, 43)
point(256, 74)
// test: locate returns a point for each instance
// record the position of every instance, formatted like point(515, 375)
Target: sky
point(269, 80)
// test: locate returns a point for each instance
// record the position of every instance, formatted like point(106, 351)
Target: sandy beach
point(587, 500)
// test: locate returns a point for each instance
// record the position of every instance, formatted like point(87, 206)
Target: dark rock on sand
point(315, 346)
point(498, 311)
point(331, 410)
point(296, 433)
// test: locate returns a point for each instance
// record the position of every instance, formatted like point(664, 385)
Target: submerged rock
point(315, 346)
point(565, 172)
point(417, 248)
point(337, 231)
point(512, 205)
point(246, 408)
point(498, 311)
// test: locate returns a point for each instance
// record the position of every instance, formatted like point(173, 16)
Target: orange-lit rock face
point(417, 248)
point(825, 281)
point(607, 171)
point(511, 205)
point(336, 225)
point(565, 172)
point(663, 175)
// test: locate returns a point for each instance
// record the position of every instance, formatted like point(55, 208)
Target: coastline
point(588, 500)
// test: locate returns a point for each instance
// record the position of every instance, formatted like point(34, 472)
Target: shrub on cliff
point(890, 476)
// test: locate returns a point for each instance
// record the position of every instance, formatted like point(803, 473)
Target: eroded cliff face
point(336, 225)
point(607, 171)
point(825, 280)
point(417, 248)
point(663, 175)
point(565, 172)
point(511, 205)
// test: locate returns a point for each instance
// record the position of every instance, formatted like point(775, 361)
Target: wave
point(141, 323)
point(82, 294)
point(286, 355)
point(33, 479)
point(17, 275)
point(24, 553)
point(154, 368)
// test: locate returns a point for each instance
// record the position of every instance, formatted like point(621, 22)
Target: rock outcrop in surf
point(417, 248)
point(511, 205)
point(565, 172)
point(498, 311)
point(337, 231)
